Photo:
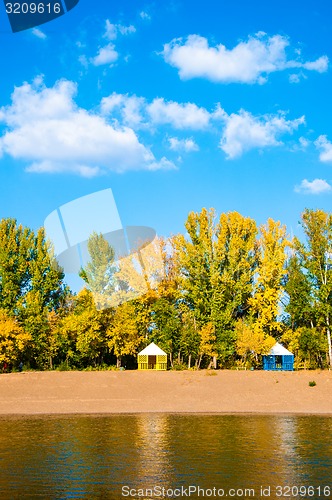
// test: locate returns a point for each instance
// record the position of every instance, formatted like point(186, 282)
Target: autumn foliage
point(219, 295)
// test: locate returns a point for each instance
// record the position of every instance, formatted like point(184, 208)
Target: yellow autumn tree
point(82, 331)
point(124, 336)
point(13, 339)
point(251, 342)
point(207, 345)
point(268, 288)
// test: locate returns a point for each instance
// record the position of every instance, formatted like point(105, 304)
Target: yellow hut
point(152, 358)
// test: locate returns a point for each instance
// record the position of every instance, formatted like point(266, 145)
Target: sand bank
point(224, 391)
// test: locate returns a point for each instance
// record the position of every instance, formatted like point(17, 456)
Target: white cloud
point(240, 132)
point(250, 61)
point(319, 65)
point(180, 116)
point(325, 148)
point(47, 130)
point(144, 15)
point(126, 30)
point(304, 143)
point(295, 78)
point(186, 145)
point(317, 186)
point(106, 55)
point(84, 61)
point(244, 131)
point(164, 164)
point(112, 30)
point(301, 145)
point(137, 112)
point(108, 104)
point(39, 33)
point(130, 107)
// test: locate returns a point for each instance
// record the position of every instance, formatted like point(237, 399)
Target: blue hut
point(278, 359)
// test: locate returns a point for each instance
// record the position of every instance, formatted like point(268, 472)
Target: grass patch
point(312, 383)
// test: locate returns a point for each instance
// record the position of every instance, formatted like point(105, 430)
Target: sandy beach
point(224, 391)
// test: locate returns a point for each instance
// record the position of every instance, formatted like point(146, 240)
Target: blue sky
point(174, 105)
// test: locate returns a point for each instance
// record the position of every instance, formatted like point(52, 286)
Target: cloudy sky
point(175, 105)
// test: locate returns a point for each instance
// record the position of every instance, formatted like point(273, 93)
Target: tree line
point(227, 290)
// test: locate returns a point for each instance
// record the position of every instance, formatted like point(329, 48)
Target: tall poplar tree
point(235, 262)
point(124, 336)
point(31, 283)
point(99, 271)
point(268, 290)
point(300, 304)
point(217, 264)
point(315, 257)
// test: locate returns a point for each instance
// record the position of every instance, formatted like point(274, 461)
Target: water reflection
point(153, 449)
point(94, 456)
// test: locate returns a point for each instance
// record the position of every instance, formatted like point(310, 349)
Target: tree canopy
point(219, 295)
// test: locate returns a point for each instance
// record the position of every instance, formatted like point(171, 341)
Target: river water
point(166, 456)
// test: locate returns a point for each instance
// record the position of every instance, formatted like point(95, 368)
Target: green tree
point(166, 327)
point(315, 257)
point(195, 261)
point(16, 253)
point(99, 272)
point(300, 304)
point(235, 262)
point(190, 339)
point(308, 344)
point(217, 265)
point(31, 283)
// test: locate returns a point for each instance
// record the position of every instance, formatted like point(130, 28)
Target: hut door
point(152, 362)
point(279, 362)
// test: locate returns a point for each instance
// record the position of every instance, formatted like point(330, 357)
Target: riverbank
point(224, 391)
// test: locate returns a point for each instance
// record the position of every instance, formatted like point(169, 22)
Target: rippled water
point(97, 456)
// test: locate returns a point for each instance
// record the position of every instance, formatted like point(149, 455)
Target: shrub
point(179, 366)
point(63, 367)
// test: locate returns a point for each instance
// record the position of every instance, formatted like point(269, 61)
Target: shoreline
point(226, 392)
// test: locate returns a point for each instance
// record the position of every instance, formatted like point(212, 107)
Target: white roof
point(153, 350)
point(279, 350)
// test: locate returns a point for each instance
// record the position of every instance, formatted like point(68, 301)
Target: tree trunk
point(199, 361)
point(171, 359)
point(51, 363)
point(118, 362)
point(215, 362)
point(179, 357)
point(189, 361)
